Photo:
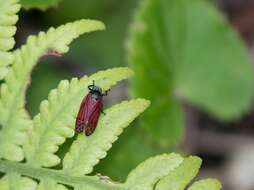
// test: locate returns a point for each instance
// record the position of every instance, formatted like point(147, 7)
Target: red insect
point(89, 111)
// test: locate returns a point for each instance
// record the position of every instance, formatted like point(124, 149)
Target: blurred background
point(223, 138)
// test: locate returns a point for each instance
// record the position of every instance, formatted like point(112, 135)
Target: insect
point(90, 109)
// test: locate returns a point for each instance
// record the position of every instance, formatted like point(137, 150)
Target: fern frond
point(184, 174)
point(13, 117)
point(207, 184)
point(147, 174)
point(181, 176)
point(45, 174)
point(21, 183)
point(86, 152)
point(8, 19)
point(56, 119)
point(48, 183)
point(109, 127)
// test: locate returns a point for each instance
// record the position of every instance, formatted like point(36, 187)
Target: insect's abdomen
point(88, 115)
point(82, 117)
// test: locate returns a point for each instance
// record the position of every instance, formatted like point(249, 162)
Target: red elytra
point(89, 111)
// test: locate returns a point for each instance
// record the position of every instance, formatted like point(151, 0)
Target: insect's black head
point(97, 90)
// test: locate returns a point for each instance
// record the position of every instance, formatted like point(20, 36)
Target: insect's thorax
point(95, 97)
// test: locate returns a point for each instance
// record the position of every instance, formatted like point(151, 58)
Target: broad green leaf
point(215, 72)
point(8, 19)
point(178, 58)
point(56, 119)
point(148, 56)
point(86, 152)
point(164, 122)
point(206, 184)
point(181, 176)
point(39, 4)
point(12, 113)
point(147, 174)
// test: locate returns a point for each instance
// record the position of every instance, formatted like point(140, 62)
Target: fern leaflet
point(207, 184)
point(142, 178)
point(8, 18)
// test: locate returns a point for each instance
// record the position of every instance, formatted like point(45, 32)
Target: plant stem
point(43, 173)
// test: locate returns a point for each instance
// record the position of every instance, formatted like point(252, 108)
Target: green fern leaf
point(8, 18)
point(86, 152)
point(181, 176)
point(21, 183)
point(48, 183)
point(144, 176)
point(56, 120)
point(109, 127)
point(24, 183)
point(207, 184)
point(13, 90)
point(147, 174)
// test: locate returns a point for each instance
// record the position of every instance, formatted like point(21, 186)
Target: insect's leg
point(106, 92)
point(103, 178)
point(103, 112)
point(79, 128)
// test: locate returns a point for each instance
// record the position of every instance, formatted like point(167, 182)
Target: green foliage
point(29, 147)
point(116, 14)
point(179, 179)
point(184, 50)
point(42, 83)
point(8, 19)
point(13, 90)
point(208, 184)
point(133, 144)
point(39, 4)
point(142, 177)
point(79, 160)
point(148, 175)
point(47, 135)
point(173, 171)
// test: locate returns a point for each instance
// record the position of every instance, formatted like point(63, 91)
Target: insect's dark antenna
point(90, 87)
